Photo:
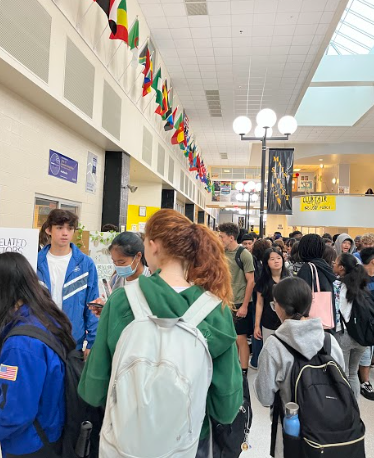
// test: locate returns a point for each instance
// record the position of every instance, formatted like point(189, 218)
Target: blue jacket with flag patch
point(80, 287)
point(32, 386)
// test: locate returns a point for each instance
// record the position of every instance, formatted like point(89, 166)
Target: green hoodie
point(225, 394)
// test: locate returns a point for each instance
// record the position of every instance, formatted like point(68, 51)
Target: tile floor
point(260, 431)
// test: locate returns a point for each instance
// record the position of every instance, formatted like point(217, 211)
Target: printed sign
point(91, 174)
point(62, 167)
point(23, 241)
point(280, 181)
point(317, 203)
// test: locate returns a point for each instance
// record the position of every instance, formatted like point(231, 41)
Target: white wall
point(26, 136)
point(148, 194)
point(351, 211)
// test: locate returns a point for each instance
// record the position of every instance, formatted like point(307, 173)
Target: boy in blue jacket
point(70, 276)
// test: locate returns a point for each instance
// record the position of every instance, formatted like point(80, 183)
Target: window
point(355, 31)
point(44, 205)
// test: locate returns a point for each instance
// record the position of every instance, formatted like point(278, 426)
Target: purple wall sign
point(62, 167)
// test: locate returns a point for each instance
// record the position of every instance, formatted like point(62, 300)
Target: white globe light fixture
point(250, 186)
point(266, 118)
point(260, 132)
point(239, 186)
point(242, 125)
point(287, 125)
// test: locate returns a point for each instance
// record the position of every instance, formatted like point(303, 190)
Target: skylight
point(355, 31)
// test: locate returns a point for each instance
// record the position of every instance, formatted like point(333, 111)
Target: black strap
point(38, 333)
point(238, 260)
point(325, 350)
point(277, 414)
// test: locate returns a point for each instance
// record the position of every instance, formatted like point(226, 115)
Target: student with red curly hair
point(187, 260)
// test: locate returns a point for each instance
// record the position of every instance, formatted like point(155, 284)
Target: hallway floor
point(260, 431)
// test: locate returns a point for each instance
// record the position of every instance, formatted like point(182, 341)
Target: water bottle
point(82, 449)
point(291, 422)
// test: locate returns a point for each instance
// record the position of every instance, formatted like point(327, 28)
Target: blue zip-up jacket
point(37, 391)
point(80, 287)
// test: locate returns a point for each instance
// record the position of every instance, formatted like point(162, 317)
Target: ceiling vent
point(214, 103)
point(223, 155)
point(196, 7)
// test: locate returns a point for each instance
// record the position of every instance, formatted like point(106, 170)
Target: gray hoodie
point(340, 240)
point(275, 362)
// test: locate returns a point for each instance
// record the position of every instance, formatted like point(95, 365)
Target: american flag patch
point(8, 372)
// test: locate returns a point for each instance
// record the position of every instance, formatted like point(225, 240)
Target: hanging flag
point(148, 78)
point(158, 86)
point(118, 21)
point(178, 136)
point(134, 35)
point(104, 5)
point(143, 57)
point(163, 108)
point(170, 121)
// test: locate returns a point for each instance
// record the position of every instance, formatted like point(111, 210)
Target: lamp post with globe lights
point(247, 193)
point(266, 120)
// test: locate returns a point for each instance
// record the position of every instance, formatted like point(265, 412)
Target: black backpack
point(361, 323)
point(238, 261)
point(328, 411)
point(77, 411)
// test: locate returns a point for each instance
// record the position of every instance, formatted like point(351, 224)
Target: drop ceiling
point(255, 53)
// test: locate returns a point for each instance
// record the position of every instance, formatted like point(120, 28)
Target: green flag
point(134, 35)
point(157, 86)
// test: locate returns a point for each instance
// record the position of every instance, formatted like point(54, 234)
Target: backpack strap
point(278, 414)
point(238, 260)
point(29, 330)
point(326, 349)
point(137, 301)
point(201, 308)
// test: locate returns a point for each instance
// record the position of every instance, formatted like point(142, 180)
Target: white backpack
point(161, 373)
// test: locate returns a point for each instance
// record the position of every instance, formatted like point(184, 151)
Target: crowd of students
point(253, 296)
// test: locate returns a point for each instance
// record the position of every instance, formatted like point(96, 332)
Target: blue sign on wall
point(62, 167)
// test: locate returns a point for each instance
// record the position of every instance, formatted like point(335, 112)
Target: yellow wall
point(272, 223)
point(134, 218)
point(361, 178)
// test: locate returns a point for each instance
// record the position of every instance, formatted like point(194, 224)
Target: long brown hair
point(197, 246)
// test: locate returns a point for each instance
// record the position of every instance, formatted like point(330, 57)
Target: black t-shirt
point(269, 318)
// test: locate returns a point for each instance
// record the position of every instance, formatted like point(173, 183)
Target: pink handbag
point(321, 302)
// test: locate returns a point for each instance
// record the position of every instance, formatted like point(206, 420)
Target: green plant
point(99, 237)
point(79, 238)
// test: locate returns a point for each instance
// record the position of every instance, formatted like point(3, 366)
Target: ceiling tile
point(157, 22)
point(286, 18)
point(176, 22)
point(180, 33)
point(218, 21)
point(174, 9)
point(305, 40)
point(222, 42)
point(183, 44)
point(199, 21)
point(309, 18)
point(221, 32)
point(217, 8)
point(201, 32)
point(327, 17)
point(242, 7)
point(289, 6)
point(268, 6)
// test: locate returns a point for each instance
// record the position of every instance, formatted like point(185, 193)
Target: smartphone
point(94, 304)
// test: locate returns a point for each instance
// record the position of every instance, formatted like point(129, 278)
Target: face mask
point(126, 271)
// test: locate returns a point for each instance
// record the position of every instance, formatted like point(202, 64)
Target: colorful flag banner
point(134, 35)
point(118, 21)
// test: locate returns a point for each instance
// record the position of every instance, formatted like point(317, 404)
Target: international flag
point(144, 58)
point(148, 78)
point(163, 108)
point(104, 5)
point(118, 21)
point(134, 35)
point(170, 121)
point(158, 86)
point(178, 136)
point(8, 372)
